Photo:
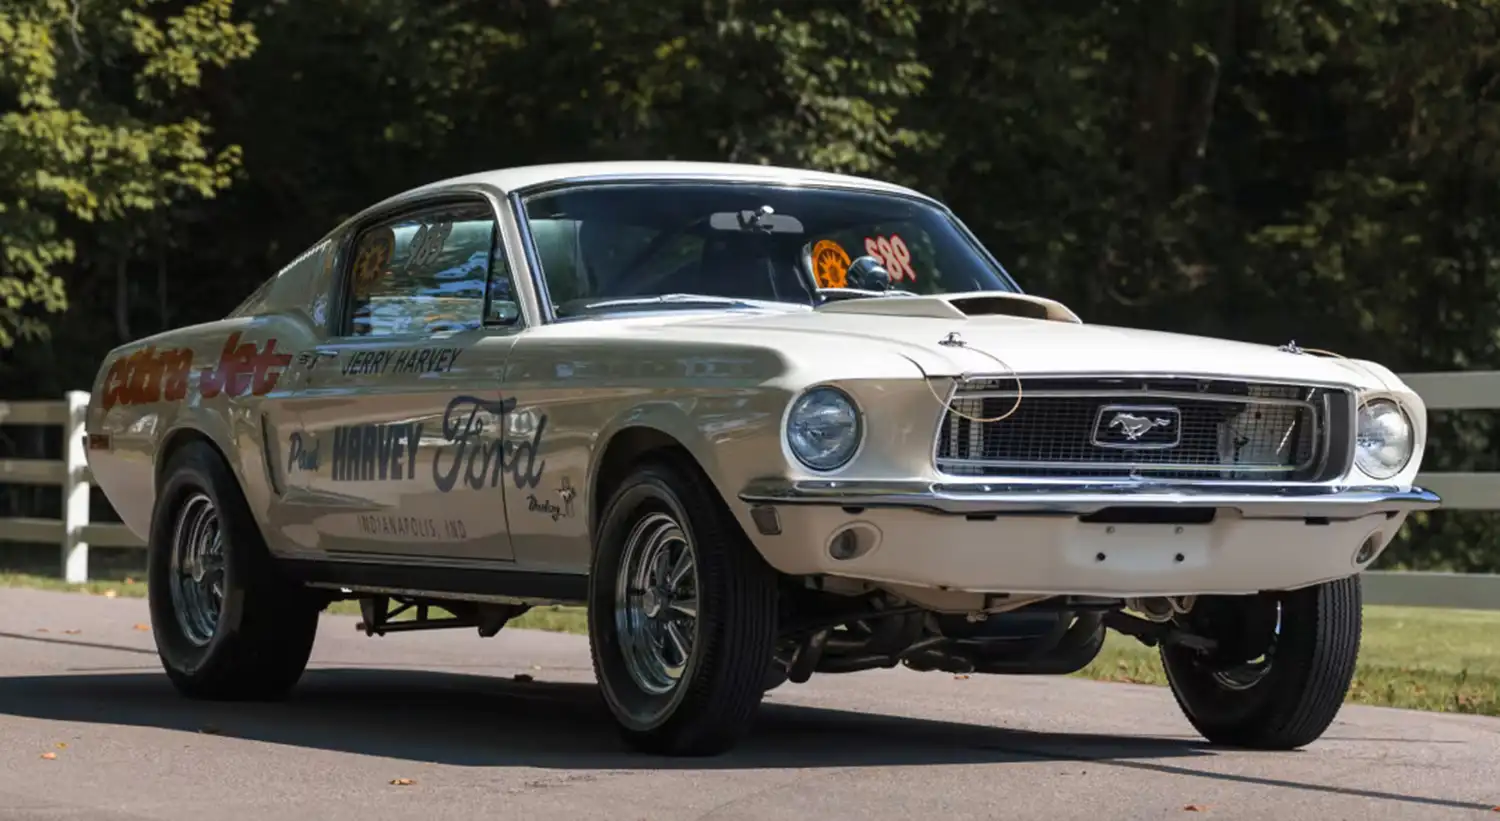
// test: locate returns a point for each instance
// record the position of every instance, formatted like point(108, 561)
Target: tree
point(1268, 170)
point(99, 131)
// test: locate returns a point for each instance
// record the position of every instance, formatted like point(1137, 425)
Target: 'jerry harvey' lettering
point(366, 453)
point(244, 367)
point(480, 463)
point(411, 360)
point(145, 376)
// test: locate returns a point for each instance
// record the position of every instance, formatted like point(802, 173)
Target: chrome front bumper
point(1082, 498)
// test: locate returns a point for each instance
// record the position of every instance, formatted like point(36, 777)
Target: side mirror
point(867, 273)
point(505, 312)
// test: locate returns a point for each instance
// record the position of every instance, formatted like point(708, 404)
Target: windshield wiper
point(578, 306)
point(835, 294)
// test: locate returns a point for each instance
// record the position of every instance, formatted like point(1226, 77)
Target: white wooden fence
point(76, 531)
point(1473, 390)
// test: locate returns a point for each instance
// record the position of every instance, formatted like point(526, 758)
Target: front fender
point(712, 428)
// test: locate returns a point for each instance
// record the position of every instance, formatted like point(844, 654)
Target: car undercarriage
point(823, 632)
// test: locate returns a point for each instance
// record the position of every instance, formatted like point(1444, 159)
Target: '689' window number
point(427, 244)
point(893, 254)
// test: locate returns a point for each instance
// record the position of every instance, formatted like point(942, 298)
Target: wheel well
point(175, 441)
point(625, 449)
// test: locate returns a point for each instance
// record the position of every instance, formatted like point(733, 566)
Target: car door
point(398, 451)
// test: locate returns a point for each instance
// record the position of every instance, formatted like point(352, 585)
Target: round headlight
point(1382, 439)
point(823, 429)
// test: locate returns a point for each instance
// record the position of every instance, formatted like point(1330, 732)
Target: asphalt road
point(444, 710)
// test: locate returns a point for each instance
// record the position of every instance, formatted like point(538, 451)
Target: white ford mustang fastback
point(763, 423)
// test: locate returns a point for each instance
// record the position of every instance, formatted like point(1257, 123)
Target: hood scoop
point(957, 306)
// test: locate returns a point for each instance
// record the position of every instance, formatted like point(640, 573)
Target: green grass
point(128, 587)
point(1415, 658)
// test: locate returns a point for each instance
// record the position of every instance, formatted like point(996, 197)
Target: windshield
point(621, 245)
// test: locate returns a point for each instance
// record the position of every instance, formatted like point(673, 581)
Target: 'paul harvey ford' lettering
point(410, 360)
point(477, 462)
point(365, 453)
point(302, 457)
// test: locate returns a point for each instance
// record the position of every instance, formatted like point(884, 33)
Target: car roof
point(528, 176)
point(520, 178)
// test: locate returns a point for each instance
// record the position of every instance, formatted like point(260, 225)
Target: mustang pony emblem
point(1134, 427)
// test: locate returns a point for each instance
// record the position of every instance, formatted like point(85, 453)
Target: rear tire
point(682, 614)
point(1291, 699)
point(228, 625)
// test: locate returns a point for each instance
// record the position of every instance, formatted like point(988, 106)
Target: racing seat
point(742, 266)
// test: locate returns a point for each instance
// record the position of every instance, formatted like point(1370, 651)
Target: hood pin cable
point(953, 340)
point(1293, 348)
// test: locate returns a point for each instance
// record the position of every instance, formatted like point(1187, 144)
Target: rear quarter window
point(425, 272)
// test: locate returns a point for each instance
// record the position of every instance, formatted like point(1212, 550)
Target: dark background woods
point(1256, 169)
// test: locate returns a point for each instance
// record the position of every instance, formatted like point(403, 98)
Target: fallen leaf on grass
point(402, 782)
point(143, 627)
point(129, 580)
point(524, 678)
point(49, 756)
point(109, 594)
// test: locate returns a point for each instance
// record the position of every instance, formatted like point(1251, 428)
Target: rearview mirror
point(769, 223)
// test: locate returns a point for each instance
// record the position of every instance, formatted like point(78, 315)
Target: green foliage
point(1320, 170)
point(93, 130)
point(793, 84)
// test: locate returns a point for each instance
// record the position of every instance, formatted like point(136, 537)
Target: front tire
point(682, 614)
point(227, 625)
point(1288, 698)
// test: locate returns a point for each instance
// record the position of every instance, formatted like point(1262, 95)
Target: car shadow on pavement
point(470, 720)
point(479, 721)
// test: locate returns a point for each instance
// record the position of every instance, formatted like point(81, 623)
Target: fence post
point(75, 490)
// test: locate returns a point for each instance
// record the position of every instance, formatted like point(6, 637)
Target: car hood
point(924, 330)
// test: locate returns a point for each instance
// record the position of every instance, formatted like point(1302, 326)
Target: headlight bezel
point(1384, 404)
point(802, 398)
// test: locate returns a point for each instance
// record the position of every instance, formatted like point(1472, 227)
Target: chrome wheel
point(656, 603)
point(196, 575)
point(1247, 675)
point(1282, 672)
point(1244, 676)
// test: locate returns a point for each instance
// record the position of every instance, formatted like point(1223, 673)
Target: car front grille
point(1159, 427)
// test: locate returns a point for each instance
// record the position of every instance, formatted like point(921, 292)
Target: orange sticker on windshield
point(830, 264)
point(370, 262)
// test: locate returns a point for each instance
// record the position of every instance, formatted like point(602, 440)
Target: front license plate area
point(1146, 548)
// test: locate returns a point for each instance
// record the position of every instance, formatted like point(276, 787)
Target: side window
point(426, 272)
